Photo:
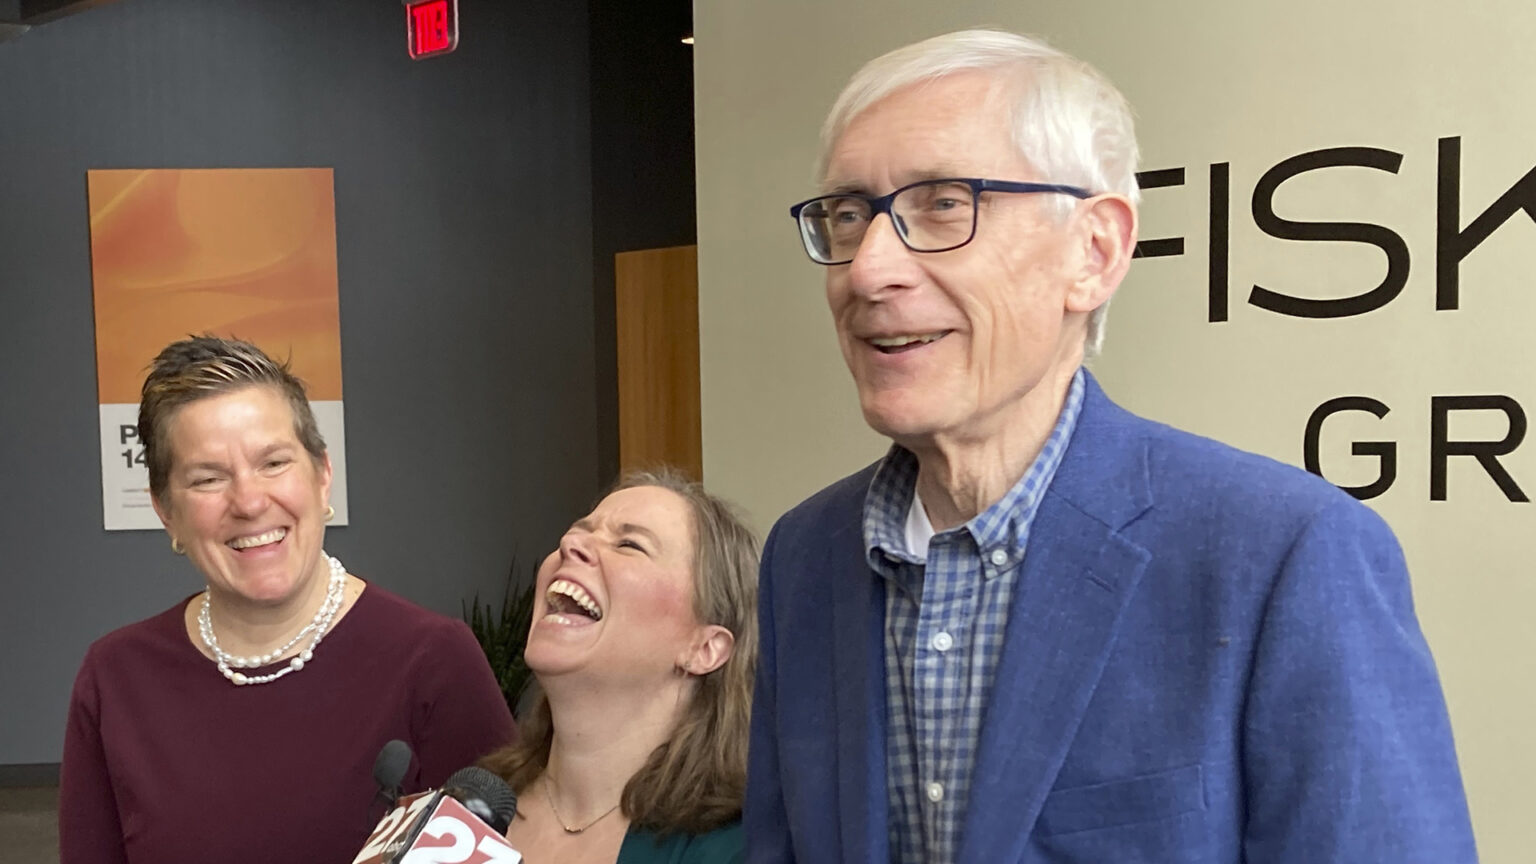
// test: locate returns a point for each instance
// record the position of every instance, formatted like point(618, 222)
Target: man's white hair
point(1069, 122)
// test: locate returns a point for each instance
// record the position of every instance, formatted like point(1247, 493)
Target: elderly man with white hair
point(1042, 629)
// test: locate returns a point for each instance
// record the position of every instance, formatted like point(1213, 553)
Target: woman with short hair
point(242, 724)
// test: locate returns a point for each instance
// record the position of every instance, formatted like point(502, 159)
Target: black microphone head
point(389, 769)
point(485, 795)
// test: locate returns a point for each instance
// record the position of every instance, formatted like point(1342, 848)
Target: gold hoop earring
point(330, 512)
point(177, 547)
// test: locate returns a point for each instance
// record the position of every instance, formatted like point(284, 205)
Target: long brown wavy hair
point(695, 781)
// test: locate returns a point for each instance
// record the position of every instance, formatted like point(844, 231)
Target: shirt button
point(942, 641)
point(999, 557)
point(935, 792)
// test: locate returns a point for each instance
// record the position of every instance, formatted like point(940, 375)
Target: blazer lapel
point(858, 664)
point(1078, 577)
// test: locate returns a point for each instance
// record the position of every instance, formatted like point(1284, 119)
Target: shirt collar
point(919, 527)
point(1004, 525)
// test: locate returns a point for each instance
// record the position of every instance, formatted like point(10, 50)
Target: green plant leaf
point(503, 633)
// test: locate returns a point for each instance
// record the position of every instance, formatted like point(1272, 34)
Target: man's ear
point(712, 646)
point(1107, 232)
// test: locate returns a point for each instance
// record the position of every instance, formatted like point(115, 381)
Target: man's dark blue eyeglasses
point(929, 215)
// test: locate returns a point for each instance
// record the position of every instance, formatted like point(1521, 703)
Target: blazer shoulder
point(1237, 476)
point(829, 508)
point(1249, 504)
point(1193, 480)
point(1182, 464)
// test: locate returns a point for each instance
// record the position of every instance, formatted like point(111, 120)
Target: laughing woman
point(643, 641)
point(242, 724)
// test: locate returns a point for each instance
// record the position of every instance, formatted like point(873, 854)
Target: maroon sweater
point(166, 762)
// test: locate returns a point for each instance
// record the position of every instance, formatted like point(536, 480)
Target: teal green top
point(723, 845)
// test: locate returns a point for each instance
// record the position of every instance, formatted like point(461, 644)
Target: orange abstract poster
point(249, 253)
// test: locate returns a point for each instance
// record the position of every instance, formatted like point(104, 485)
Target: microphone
point(388, 771)
point(465, 822)
point(485, 795)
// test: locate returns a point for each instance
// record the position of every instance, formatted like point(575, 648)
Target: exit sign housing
point(431, 27)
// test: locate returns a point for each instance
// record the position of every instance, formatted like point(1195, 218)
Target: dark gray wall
point(464, 221)
point(642, 162)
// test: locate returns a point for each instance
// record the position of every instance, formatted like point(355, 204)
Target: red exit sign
point(431, 27)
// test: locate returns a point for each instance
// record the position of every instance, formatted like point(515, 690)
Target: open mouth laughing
point(570, 603)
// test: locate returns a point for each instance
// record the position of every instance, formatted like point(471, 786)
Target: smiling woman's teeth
point(566, 596)
point(255, 540)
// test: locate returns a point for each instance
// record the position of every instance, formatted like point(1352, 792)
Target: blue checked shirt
point(944, 622)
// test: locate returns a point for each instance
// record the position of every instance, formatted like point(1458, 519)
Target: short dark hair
point(202, 366)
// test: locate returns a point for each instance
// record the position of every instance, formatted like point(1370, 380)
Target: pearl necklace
point(315, 629)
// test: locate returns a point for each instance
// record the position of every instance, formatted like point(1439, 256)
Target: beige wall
point(1212, 81)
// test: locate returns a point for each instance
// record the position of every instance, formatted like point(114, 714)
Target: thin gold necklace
point(569, 829)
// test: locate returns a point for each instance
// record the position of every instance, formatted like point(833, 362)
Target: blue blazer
point(1210, 657)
